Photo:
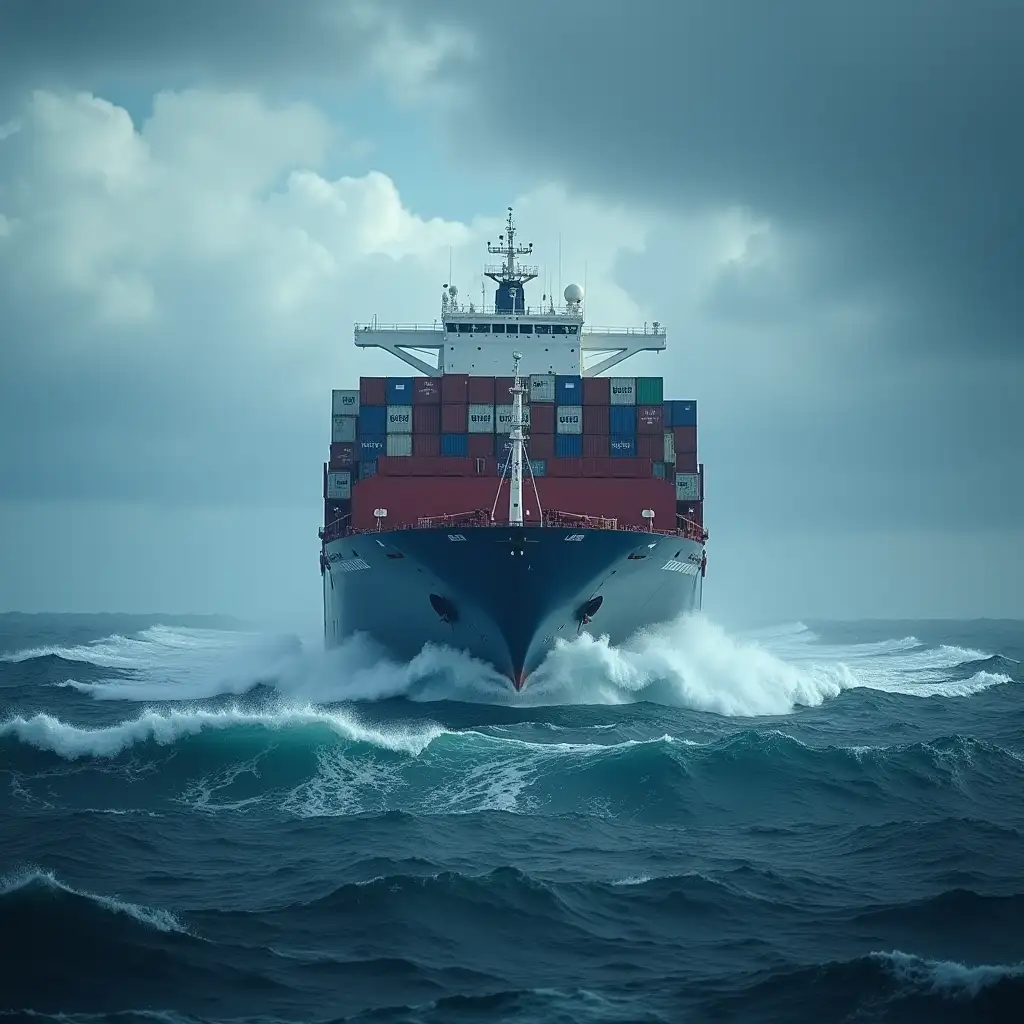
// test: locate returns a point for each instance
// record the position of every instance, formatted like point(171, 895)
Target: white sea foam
point(690, 663)
point(161, 920)
point(167, 727)
point(953, 979)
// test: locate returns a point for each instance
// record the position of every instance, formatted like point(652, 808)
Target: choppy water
point(803, 824)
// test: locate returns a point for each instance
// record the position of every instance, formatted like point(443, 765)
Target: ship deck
point(688, 529)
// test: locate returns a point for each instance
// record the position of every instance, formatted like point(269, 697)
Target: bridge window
point(543, 328)
point(526, 328)
point(465, 328)
point(558, 329)
point(512, 328)
point(449, 327)
point(481, 328)
point(498, 328)
point(574, 328)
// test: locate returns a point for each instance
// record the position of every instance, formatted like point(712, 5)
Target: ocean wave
point(47, 733)
point(893, 986)
point(312, 763)
point(692, 663)
point(31, 889)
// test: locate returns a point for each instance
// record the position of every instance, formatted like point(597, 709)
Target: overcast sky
point(822, 201)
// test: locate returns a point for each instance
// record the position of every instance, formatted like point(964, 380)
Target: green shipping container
point(650, 390)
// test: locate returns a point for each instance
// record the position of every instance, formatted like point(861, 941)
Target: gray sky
point(821, 200)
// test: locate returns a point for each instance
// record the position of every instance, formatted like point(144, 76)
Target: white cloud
point(179, 294)
point(194, 279)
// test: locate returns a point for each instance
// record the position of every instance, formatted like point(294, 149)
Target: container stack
point(458, 425)
point(681, 453)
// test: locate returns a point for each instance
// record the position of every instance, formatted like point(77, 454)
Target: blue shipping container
point(540, 466)
point(368, 467)
point(455, 444)
point(623, 445)
point(568, 446)
point(372, 446)
point(568, 389)
point(399, 390)
point(680, 414)
point(623, 420)
point(373, 419)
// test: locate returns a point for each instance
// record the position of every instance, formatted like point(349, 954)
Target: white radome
point(573, 293)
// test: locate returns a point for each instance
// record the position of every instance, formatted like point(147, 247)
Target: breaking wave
point(311, 763)
point(76, 944)
point(692, 664)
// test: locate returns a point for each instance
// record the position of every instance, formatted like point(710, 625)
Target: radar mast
point(510, 276)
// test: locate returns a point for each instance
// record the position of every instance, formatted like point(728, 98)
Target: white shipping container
point(569, 419)
point(399, 444)
point(687, 487)
point(670, 446)
point(481, 419)
point(542, 387)
point(503, 417)
point(339, 485)
point(399, 419)
point(623, 391)
point(345, 403)
point(343, 428)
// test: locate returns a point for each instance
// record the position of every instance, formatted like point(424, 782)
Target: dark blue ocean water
point(818, 822)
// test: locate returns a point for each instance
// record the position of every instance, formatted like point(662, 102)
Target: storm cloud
point(822, 201)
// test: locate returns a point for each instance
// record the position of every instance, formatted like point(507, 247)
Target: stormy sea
point(814, 822)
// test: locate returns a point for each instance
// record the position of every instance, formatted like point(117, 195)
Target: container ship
point(508, 495)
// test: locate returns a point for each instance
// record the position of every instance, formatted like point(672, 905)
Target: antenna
point(559, 262)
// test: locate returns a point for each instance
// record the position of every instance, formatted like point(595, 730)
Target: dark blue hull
point(505, 594)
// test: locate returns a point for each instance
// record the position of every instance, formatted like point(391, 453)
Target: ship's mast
point(509, 276)
point(515, 494)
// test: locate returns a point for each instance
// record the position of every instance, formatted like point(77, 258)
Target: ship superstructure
point(508, 495)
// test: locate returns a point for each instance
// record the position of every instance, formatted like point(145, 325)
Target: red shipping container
point(632, 468)
point(454, 418)
point(686, 462)
point(453, 466)
point(596, 420)
point(373, 391)
point(455, 389)
point(595, 446)
point(685, 438)
point(597, 391)
point(542, 446)
point(426, 391)
point(426, 419)
point(343, 454)
point(426, 444)
point(651, 446)
point(502, 386)
point(481, 390)
point(650, 419)
point(542, 417)
point(481, 446)
point(596, 466)
point(408, 500)
point(565, 467)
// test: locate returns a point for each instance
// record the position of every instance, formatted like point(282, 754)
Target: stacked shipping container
point(458, 425)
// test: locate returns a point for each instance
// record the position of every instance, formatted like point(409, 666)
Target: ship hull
point(505, 595)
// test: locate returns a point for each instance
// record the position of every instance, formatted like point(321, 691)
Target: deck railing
point(686, 528)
